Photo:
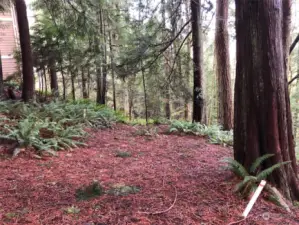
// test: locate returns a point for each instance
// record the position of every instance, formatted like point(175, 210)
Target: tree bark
point(63, 83)
point(166, 91)
point(46, 83)
point(198, 101)
point(53, 77)
point(27, 61)
point(223, 65)
point(1, 78)
point(84, 87)
point(262, 111)
point(103, 89)
point(73, 85)
point(112, 70)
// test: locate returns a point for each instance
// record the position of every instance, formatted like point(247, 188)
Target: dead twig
point(166, 210)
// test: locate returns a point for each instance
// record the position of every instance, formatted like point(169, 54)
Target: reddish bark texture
point(223, 65)
point(27, 61)
point(198, 103)
point(262, 109)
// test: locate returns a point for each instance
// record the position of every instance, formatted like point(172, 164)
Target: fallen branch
point(166, 210)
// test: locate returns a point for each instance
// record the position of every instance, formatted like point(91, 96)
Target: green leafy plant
point(54, 126)
point(252, 178)
point(214, 133)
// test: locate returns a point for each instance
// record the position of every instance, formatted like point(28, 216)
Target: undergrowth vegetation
point(252, 178)
point(214, 133)
point(53, 126)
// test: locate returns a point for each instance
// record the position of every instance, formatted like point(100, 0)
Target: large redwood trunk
point(223, 65)
point(262, 110)
point(27, 61)
point(198, 101)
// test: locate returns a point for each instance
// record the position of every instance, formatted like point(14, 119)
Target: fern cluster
point(215, 133)
point(53, 126)
point(253, 177)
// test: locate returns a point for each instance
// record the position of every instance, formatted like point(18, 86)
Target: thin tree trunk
point(262, 111)
point(166, 68)
point(131, 82)
point(112, 71)
point(53, 77)
point(27, 61)
point(46, 83)
point(84, 88)
point(188, 67)
point(145, 93)
point(42, 81)
point(99, 82)
point(88, 81)
point(223, 65)
point(63, 83)
point(1, 78)
point(102, 99)
point(73, 85)
point(198, 101)
point(39, 80)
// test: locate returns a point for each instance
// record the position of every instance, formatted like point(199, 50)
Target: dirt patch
point(179, 181)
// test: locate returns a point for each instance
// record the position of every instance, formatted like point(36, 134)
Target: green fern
point(251, 180)
point(265, 173)
point(214, 133)
point(259, 162)
point(236, 167)
point(247, 179)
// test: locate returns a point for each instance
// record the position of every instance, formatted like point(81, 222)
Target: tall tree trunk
point(63, 83)
point(84, 88)
point(53, 77)
point(262, 111)
point(42, 81)
point(1, 78)
point(144, 93)
point(73, 85)
point(103, 89)
point(187, 64)
point(112, 71)
point(46, 83)
point(99, 83)
point(223, 65)
point(198, 101)
point(88, 81)
point(27, 61)
point(131, 82)
point(166, 67)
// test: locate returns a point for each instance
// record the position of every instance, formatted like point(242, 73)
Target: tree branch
point(293, 79)
point(293, 45)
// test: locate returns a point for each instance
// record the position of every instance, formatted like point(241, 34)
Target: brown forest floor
point(34, 191)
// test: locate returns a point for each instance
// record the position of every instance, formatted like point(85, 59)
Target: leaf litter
point(170, 179)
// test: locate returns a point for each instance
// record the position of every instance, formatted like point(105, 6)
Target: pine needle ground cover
point(173, 179)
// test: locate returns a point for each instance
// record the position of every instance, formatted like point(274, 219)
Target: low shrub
point(215, 133)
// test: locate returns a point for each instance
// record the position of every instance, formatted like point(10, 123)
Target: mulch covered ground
point(180, 182)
